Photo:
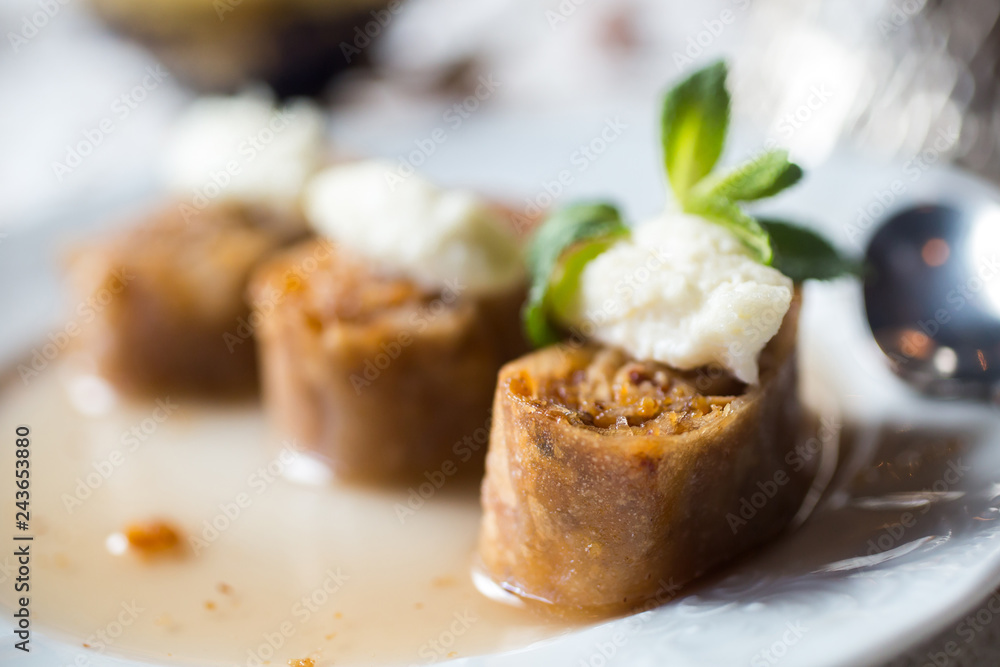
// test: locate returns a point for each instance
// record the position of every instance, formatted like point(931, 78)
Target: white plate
point(853, 585)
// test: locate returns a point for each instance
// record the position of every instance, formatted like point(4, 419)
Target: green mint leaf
point(764, 176)
point(694, 123)
point(802, 254)
point(742, 226)
point(556, 256)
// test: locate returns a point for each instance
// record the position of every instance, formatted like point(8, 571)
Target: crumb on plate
point(153, 538)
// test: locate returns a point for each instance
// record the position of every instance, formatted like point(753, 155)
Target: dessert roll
point(381, 339)
point(621, 466)
point(377, 375)
point(608, 477)
point(168, 295)
point(619, 463)
point(167, 303)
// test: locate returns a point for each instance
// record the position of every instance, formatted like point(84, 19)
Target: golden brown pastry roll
point(375, 374)
point(607, 476)
point(164, 302)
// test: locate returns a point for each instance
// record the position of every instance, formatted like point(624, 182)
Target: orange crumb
point(331, 636)
point(153, 537)
point(419, 605)
point(338, 615)
point(293, 283)
point(86, 646)
point(441, 582)
point(225, 589)
point(209, 605)
point(302, 662)
point(453, 654)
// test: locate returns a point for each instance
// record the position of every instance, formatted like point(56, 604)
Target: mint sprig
point(559, 250)
point(694, 124)
point(726, 213)
point(691, 150)
point(695, 121)
point(764, 176)
point(803, 255)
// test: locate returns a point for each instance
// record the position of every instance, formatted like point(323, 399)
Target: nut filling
point(613, 391)
point(343, 341)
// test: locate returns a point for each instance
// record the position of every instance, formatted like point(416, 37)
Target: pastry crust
point(605, 482)
point(378, 376)
point(166, 300)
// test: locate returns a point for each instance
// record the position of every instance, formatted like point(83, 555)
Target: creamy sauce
point(442, 238)
point(683, 291)
point(319, 571)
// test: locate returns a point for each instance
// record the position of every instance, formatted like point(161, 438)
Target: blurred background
point(502, 95)
point(907, 81)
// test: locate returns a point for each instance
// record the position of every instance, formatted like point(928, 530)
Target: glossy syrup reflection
point(268, 571)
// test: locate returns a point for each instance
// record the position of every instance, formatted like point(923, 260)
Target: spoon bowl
point(932, 298)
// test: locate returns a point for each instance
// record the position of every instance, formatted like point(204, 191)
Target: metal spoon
point(932, 297)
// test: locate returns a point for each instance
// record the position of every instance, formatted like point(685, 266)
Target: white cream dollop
point(245, 149)
point(439, 238)
point(685, 292)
